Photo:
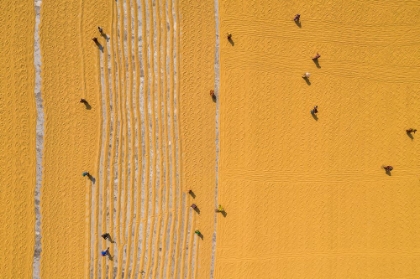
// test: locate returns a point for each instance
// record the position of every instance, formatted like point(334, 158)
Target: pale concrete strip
point(39, 142)
point(216, 92)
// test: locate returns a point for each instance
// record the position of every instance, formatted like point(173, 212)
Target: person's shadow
point(410, 135)
point(101, 48)
point(196, 209)
point(317, 63)
point(314, 116)
point(105, 36)
point(298, 23)
point(387, 171)
point(110, 257)
point(231, 41)
point(224, 213)
point(91, 178)
point(87, 105)
point(214, 98)
point(110, 239)
point(192, 194)
point(308, 82)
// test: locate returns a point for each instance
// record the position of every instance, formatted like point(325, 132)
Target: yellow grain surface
point(17, 137)
point(197, 119)
point(307, 198)
point(70, 71)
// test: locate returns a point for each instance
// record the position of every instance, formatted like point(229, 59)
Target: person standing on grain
point(316, 57)
point(105, 252)
point(411, 130)
point(388, 169)
point(314, 111)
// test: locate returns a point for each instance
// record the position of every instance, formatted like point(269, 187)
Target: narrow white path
point(217, 93)
point(39, 143)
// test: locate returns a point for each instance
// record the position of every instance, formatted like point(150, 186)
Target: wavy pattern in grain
point(138, 197)
point(18, 137)
point(324, 195)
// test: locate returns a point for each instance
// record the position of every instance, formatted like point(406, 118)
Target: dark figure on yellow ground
point(213, 96)
point(314, 111)
point(105, 252)
point(388, 169)
point(106, 236)
point(306, 75)
point(316, 57)
point(220, 209)
point(411, 130)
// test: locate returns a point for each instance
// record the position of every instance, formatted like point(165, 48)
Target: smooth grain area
point(308, 198)
point(17, 137)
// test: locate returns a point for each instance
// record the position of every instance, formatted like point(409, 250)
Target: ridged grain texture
point(17, 151)
point(138, 197)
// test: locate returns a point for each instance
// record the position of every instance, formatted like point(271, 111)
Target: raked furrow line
point(106, 146)
point(145, 136)
point(175, 218)
point(100, 183)
point(159, 167)
point(112, 158)
point(138, 197)
point(131, 216)
point(181, 197)
point(151, 95)
point(166, 180)
point(139, 140)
